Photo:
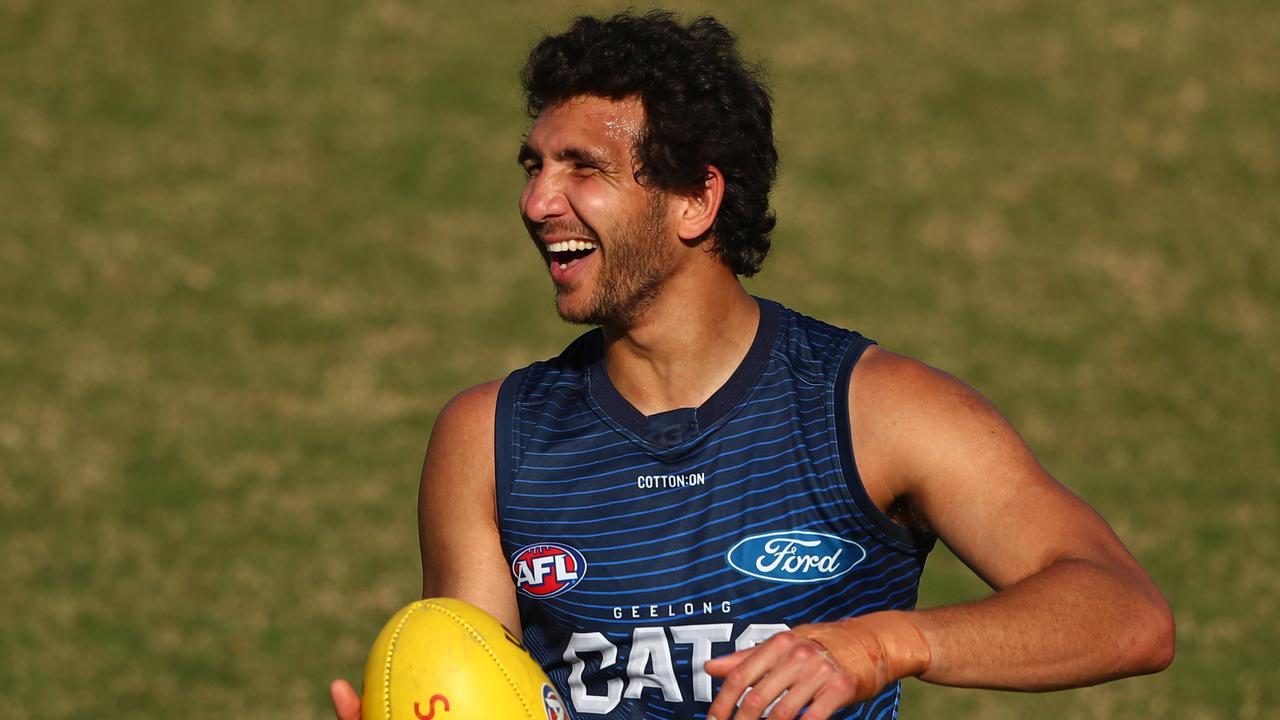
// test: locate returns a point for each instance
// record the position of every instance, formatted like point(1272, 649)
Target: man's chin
point(578, 319)
point(577, 312)
point(572, 312)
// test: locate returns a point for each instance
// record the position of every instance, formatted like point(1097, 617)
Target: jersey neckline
point(725, 398)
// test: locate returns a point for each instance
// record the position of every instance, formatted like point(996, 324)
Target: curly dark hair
point(703, 107)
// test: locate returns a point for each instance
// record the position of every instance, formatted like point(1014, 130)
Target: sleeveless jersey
point(643, 546)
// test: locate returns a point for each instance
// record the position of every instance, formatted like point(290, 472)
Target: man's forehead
point(590, 118)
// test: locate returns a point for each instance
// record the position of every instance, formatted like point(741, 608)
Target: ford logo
point(795, 556)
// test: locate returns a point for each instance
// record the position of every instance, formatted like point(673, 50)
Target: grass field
point(248, 249)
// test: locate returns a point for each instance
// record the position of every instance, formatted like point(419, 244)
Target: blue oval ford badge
point(795, 556)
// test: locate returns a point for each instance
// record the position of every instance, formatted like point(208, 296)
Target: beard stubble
point(634, 264)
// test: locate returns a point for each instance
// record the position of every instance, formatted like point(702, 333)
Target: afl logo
point(547, 569)
point(795, 556)
point(551, 703)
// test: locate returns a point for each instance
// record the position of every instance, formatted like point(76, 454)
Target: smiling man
point(595, 186)
point(714, 506)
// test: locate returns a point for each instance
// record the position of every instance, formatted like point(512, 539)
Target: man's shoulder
point(903, 405)
point(471, 407)
point(905, 382)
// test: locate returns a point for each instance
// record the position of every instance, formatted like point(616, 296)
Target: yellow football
point(445, 659)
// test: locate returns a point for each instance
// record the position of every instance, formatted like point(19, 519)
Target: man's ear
point(701, 206)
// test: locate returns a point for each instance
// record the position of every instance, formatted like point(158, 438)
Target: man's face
point(605, 238)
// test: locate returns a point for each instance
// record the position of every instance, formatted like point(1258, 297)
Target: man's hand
point(823, 667)
point(786, 663)
point(346, 703)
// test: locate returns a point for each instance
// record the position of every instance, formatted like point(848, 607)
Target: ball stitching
point(475, 634)
point(391, 651)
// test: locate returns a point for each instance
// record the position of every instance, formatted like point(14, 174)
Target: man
point(711, 475)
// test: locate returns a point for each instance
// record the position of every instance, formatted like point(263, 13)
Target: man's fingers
point(782, 677)
point(827, 701)
point(809, 680)
point(750, 667)
point(719, 667)
point(346, 703)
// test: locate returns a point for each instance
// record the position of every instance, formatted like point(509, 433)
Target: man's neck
point(684, 347)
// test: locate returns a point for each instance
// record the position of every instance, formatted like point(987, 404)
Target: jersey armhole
point(915, 541)
point(504, 441)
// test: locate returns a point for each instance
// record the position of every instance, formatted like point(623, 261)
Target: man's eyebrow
point(586, 156)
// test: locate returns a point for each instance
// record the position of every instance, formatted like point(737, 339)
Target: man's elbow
point(1153, 641)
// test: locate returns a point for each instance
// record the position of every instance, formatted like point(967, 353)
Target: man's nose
point(543, 199)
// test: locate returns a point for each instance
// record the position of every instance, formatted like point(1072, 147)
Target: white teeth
point(570, 246)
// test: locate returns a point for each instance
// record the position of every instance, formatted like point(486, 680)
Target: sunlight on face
point(583, 194)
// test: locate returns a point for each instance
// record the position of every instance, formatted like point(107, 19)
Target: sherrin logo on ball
point(544, 570)
point(445, 659)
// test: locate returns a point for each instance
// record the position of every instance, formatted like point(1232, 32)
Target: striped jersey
point(641, 546)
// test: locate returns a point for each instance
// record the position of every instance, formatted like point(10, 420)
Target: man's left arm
point(1072, 607)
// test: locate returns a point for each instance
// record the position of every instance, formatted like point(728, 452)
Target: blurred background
point(248, 250)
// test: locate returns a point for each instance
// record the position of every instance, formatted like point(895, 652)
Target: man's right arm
point(457, 520)
point(457, 513)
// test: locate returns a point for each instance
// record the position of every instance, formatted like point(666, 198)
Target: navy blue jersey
point(641, 546)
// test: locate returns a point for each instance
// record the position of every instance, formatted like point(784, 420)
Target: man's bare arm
point(457, 520)
point(1072, 607)
point(457, 515)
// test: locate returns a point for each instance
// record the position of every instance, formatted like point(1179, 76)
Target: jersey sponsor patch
point(544, 570)
point(795, 556)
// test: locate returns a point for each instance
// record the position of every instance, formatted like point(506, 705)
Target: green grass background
point(248, 249)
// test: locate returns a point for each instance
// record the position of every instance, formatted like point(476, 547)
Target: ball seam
point(391, 651)
point(475, 634)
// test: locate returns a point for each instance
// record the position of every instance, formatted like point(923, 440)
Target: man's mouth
point(566, 253)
